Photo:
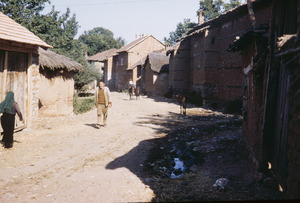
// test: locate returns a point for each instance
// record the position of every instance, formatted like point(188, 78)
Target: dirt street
point(65, 160)
point(69, 160)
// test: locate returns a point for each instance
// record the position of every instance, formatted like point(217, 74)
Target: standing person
point(131, 84)
point(103, 102)
point(9, 108)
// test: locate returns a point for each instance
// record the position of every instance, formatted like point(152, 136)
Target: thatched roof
point(159, 62)
point(49, 59)
point(13, 31)
point(102, 56)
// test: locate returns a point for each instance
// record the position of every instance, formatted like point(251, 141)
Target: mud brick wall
point(56, 91)
point(161, 84)
point(213, 71)
point(293, 181)
point(179, 67)
point(33, 100)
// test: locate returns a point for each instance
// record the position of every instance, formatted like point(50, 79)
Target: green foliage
point(22, 11)
point(57, 30)
point(232, 4)
point(100, 39)
point(211, 8)
point(214, 8)
point(181, 29)
point(87, 75)
point(82, 105)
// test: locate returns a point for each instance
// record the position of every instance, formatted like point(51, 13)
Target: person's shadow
point(94, 125)
point(134, 161)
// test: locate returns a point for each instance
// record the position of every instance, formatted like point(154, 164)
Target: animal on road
point(182, 103)
point(131, 91)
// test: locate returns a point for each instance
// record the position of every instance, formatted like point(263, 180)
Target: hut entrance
point(13, 78)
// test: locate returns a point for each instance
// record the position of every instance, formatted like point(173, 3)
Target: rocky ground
point(148, 152)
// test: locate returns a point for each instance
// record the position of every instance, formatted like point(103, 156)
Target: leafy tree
point(181, 29)
point(100, 39)
point(232, 4)
point(213, 8)
point(57, 30)
point(87, 75)
point(22, 11)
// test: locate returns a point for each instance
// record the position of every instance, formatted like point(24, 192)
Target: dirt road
point(131, 159)
point(65, 160)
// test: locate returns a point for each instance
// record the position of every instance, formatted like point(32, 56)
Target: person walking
point(9, 108)
point(103, 102)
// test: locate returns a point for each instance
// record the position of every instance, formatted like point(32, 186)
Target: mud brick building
point(56, 84)
point(130, 57)
point(109, 73)
point(156, 74)
point(19, 68)
point(270, 58)
point(201, 61)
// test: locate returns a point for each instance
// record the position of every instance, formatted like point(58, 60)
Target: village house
point(109, 74)
point(56, 84)
point(200, 63)
point(129, 59)
point(156, 74)
point(19, 70)
point(270, 58)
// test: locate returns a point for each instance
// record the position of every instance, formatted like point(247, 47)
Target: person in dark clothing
point(9, 108)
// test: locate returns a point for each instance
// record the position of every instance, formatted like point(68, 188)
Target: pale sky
point(125, 18)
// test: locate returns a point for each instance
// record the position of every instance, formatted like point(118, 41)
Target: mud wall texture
point(56, 93)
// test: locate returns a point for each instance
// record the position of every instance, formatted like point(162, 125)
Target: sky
point(126, 18)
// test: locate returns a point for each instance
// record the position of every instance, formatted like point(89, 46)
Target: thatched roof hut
point(49, 59)
point(159, 62)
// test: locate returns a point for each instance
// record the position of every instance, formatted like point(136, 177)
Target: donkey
point(182, 102)
point(131, 91)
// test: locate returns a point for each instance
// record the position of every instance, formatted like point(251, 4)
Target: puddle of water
point(179, 168)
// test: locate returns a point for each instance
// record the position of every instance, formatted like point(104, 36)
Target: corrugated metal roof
point(102, 56)
point(13, 31)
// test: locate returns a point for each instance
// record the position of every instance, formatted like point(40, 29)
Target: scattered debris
point(221, 183)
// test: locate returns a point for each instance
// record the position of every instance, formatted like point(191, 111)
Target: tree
point(87, 75)
point(100, 39)
point(181, 29)
point(214, 8)
point(232, 4)
point(57, 30)
point(211, 8)
point(22, 11)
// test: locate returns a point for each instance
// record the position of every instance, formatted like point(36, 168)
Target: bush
point(82, 105)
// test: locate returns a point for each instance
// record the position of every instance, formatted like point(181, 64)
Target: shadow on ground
point(189, 154)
